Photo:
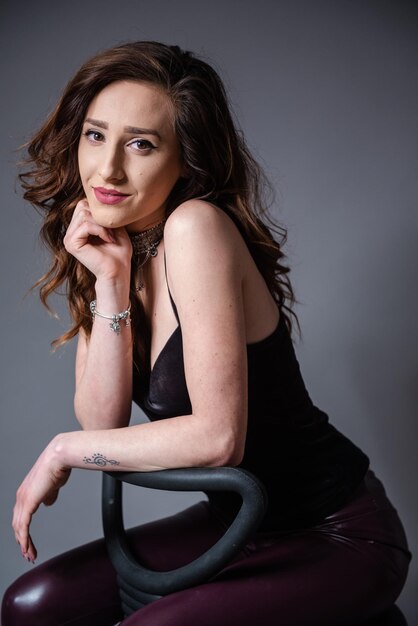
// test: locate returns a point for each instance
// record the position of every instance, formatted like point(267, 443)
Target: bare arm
point(206, 280)
point(104, 373)
point(104, 362)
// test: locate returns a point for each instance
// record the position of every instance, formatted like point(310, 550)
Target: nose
point(111, 166)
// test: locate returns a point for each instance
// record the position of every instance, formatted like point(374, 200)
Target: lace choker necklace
point(145, 246)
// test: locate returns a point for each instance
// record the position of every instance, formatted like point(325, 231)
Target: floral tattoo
point(100, 460)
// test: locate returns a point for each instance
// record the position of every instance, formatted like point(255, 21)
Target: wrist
point(57, 453)
point(116, 318)
point(112, 294)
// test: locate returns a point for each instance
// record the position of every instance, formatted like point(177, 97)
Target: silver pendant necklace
point(145, 246)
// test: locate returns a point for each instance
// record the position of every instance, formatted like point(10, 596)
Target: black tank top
point(308, 467)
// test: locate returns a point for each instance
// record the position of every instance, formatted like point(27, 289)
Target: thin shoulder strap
point(169, 292)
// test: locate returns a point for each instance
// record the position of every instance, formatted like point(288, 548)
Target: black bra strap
point(169, 292)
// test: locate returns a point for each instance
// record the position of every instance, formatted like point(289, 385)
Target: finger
point(32, 552)
point(22, 517)
point(22, 532)
point(81, 205)
point(82, 214)
point(77, 238)
point(82, 217)
point(86, 225)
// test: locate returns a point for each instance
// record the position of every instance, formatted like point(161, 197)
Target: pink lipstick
point(109, 196)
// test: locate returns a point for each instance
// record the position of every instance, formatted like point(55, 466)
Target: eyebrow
point(132, 130)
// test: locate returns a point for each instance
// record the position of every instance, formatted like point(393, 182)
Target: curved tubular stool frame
point(140, 586)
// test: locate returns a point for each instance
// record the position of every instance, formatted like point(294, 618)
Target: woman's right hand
point(105, 252)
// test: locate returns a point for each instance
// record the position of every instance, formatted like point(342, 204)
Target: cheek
point(154, 180)
point(81, 167)
point(168, 175)
point(85, 165)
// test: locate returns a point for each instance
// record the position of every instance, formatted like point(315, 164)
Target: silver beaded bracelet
point(116, 318)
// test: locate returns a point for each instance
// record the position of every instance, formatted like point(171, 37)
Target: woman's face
point(129, 155)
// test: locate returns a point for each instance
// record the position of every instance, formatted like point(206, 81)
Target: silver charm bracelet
point(116, 318)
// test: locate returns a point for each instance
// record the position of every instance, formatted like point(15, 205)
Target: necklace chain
point(148, 240)
point(145, 246)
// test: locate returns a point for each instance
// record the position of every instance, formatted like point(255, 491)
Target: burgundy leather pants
point(345, 570)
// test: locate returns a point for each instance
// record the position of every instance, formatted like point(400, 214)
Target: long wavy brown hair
point(218, 165)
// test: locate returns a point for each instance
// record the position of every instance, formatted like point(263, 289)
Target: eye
point(142, 145)
point(93, 135)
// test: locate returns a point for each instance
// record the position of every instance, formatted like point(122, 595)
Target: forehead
point(133, 103)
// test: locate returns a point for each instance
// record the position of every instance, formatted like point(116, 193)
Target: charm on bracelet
point(116, 317)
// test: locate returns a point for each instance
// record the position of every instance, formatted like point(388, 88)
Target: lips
point(109, 196)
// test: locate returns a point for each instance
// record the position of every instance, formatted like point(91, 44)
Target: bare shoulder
point(202, 226)
point(201, 243)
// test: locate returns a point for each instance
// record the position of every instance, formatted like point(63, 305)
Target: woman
point(181, 301)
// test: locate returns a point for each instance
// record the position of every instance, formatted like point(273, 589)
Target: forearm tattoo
point(100, 460)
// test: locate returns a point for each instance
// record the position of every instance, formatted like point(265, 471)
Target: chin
point(106, 218)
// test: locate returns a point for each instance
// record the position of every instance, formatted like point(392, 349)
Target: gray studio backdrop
point(326, 93)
